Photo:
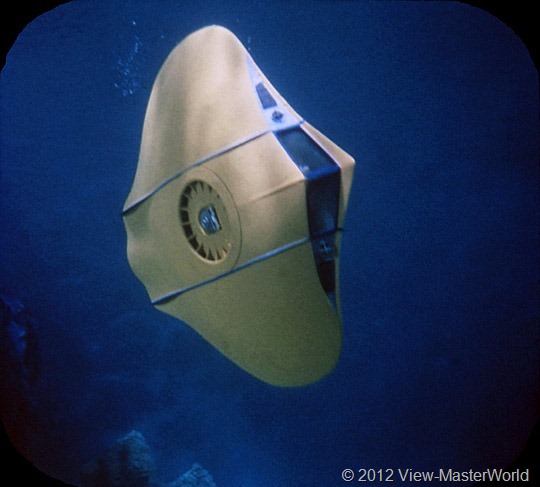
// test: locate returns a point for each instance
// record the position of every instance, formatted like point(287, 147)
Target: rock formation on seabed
point(129, 463)
point(195, 477)
point(19, 372)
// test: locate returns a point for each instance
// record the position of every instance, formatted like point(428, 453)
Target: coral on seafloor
point(129, 463)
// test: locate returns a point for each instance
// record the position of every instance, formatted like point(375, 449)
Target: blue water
point(438, 103)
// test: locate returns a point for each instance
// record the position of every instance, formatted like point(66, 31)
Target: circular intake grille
point(205, 221)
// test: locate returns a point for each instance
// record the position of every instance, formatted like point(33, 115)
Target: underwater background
point(439, 270)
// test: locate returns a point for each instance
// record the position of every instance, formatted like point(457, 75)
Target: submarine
point(235, 216)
